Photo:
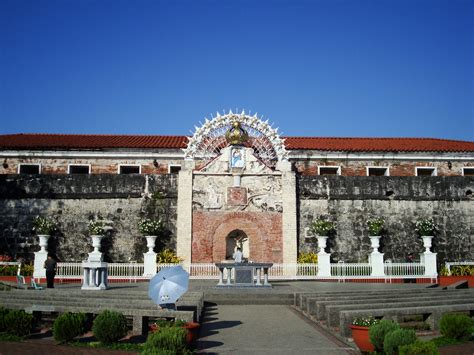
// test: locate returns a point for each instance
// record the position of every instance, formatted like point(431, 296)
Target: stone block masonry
point(350, 201)
point(73, 199)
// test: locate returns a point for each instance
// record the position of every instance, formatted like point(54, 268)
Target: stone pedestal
point(245, 274)
point(95, 275)
point(376, 262)
point(429, 260)
point(149, 260)
point(94, 269)
point(324, 264)
point(40, 257)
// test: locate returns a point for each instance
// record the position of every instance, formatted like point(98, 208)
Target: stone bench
point(189, 302)
point(432, 314)
point(301, 298)
point(317, 307)
point(139, 317)
point(333, 312)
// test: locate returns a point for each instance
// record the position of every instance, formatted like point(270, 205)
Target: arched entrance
point(236, 239)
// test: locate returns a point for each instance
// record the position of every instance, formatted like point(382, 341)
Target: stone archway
point(211, 229)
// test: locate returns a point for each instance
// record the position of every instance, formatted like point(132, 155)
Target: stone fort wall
point(350, 201)
point(73, 200)
point(124, 199)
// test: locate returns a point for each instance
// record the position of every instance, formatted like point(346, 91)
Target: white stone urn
point(43, 241)
point(375, 243)
point(96, 239)
point(427, 239)
point(322, 241)
point(150, 242)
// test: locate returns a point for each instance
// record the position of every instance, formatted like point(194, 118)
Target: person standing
point(50, 266)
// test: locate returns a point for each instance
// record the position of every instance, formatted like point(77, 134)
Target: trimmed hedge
point(167, 340)
point(110, 326)
point(3, 314)
point(68, 326)
point(456, 326)
point(396, 338)
point(419, 348)
point(18, 322)
point(377, 332)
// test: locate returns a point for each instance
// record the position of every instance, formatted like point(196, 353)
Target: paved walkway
point(255, 329)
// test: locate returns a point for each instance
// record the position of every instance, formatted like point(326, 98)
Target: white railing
point(69, 271)
point(404, 270)
point(125, 271)
point(457, 263)
point(131, 272)
point(353, 270)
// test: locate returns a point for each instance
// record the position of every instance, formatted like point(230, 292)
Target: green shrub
point(419, 348)
point(307, 258)
point(109, 326)
point(456, 326)
point(396, 338)
point(378, 331)
point(18, 322)
point(166, 339)
point(168, 256)
point(68, 326)
point(3, 314)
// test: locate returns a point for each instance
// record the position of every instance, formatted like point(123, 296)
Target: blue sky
point(401, 68)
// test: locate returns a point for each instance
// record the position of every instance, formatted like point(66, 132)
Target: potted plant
point(360, 332)
point(322, 229)
point(375, 226)
point(97, 229)
point(43, 227)
point(426, 228)
point(192, 330)
point(150, 228)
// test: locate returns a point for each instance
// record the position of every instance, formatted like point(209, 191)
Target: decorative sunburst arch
point(209, 139)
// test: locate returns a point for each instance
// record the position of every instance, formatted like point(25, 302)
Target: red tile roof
point(379, 144)
point(88, 141)
point(97, 142)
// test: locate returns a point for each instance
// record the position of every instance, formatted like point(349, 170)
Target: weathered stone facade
point(236, 183)
point(351, 201)
point(73, 200)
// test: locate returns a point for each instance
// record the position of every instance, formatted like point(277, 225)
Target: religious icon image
point(237, 158)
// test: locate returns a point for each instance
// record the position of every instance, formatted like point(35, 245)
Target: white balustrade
point(132, 272)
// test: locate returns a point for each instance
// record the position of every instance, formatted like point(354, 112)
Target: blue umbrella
point(168, 285)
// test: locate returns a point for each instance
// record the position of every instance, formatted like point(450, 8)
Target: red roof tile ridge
point(92, 135)
point(380, 138)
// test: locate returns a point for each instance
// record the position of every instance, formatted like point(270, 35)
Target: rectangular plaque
point(236, 196)
point(243, 276)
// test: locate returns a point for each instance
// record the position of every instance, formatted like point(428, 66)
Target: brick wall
point(210, 230)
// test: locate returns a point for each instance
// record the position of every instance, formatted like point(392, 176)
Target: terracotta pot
point(192, 332)
point(361, 338)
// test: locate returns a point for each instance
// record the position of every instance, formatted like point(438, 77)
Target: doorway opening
point(236, 239)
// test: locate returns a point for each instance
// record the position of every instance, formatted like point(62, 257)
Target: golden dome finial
point(236, 134)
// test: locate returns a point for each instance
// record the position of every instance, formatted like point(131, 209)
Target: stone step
point(333, 312)
point(435, 313)
point(317, 307)
point(301, 298)
point(242, 299)
point(39, 294)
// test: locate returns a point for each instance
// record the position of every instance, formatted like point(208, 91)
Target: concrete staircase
point(336, 310)
point(132, 303)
